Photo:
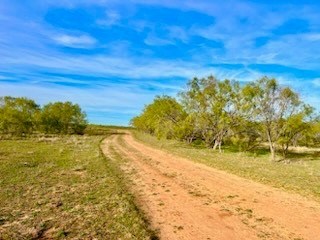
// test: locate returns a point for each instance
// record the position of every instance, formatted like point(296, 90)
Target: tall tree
point(215, 105)
point(274, 106)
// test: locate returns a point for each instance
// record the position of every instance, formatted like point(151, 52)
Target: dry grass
point(64, 188)
point(300, 174)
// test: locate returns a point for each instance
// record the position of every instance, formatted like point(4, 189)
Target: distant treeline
point(227, 112)
point(22, 116)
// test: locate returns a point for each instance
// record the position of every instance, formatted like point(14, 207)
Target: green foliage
point(160, 117)
point(22, 116)
point(63, 117)
point(186, 130)
point(246, 135)
point(314, 133)
point(215, 105)
point(17, 115)
point(226, 112)
point(280, 111)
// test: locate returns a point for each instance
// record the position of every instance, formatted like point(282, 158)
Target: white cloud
point(179, 33)
point(316, 82)
point(237, 30)
point(4, 78)
point(312, 36)
point(112, 18)
point(82, 41)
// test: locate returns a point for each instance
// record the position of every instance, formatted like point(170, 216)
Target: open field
point(64, 188)
point(300, 173)
point(187, 200)
point(67, 188)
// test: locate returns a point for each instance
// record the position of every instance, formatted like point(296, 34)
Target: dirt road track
point(186, 200)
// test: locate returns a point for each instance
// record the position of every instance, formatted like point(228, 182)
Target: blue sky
point(112, 57)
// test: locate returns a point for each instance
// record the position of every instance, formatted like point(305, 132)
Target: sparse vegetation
point(301, 174)
point(56, 183)
point(102, 130)
point(62, 187)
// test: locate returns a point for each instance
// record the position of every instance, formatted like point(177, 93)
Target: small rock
point(59, 203)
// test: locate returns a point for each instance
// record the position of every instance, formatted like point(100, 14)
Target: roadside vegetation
point(299, 174)
point(63, 187)
point(229, 115)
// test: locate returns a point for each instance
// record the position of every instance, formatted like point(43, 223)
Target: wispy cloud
point(312, 36)
point(316, 82)
point(111, 18)
point(82, 41)
point(178, 33)
point(115, 99)
point(114, 57)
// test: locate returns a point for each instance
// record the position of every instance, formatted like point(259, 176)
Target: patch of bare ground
point(186, 200)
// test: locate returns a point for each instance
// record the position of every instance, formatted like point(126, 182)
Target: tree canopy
point(229, 112)
point(63, 117)
point(18, 115)
point(161, 117)
point(22, 116)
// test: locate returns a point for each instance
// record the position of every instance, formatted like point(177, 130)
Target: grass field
point(301, 174)
point(63, 187)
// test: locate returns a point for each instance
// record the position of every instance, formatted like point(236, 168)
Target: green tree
point(17, 115)
point(63, 117)
point(295, 127)
point(246, 135)
point(275, 107)
point(313, 136)
point(187, 129)
point(215, 105)
point(160, 117)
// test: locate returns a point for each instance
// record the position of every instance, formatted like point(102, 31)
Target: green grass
point(64, 188)
point(301, 175)
point(96, 130)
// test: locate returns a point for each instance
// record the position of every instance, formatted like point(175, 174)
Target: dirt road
point(186, 200)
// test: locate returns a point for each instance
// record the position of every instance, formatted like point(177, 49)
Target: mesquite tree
point(63, 118)
point(18, 115)
point(275, 107)
point(245, 115)
point(215, 105)
point(161, 117)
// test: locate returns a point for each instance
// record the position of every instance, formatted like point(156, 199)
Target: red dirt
point(186, 200)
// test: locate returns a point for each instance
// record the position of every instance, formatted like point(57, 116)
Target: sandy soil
point(186, 200)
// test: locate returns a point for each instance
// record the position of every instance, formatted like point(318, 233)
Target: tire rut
point(173, 210)
point(186, 200)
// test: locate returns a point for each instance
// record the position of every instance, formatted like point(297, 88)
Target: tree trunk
point(220, 146)
point(218, 141)
point(286, 149)
point(272, 151)
point(215, 145)
point(271, 146)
